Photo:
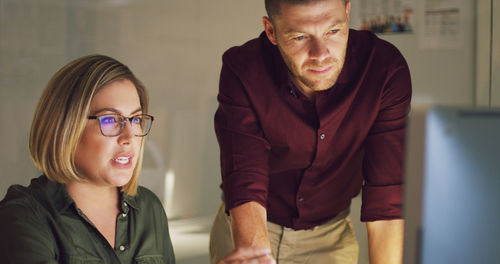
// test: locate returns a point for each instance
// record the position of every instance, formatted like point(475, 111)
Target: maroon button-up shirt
point(303, 160)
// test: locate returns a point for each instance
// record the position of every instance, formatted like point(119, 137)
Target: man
point(310, 114)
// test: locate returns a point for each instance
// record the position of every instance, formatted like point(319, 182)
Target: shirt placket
point(310, 172)
point(122, 243)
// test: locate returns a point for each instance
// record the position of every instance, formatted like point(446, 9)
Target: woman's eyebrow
point(136, 111)
point(108, 109)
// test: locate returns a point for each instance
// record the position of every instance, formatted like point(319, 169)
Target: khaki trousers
point(330, 243)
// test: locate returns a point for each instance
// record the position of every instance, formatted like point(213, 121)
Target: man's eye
point(299, 38)
point(333, 31)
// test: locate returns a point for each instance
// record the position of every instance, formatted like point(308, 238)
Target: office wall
point(495, 71)
point(444, 74)
point(33, 41)
point(488, 53)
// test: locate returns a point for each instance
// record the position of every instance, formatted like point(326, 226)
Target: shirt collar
point(129, 201)
point(61, 199)
point(54, 191)
point(276, 65)
point(351, 61)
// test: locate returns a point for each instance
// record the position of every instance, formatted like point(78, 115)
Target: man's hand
point(249, 255)
point(385, 239)
point(249, 229)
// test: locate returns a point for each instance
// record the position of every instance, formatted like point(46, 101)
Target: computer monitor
point(452, 186)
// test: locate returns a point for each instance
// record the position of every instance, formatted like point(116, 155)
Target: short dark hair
point(273, 6)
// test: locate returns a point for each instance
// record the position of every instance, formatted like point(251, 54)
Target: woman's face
point(110, 161)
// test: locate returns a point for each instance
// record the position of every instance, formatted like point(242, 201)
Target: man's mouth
point(320, 70)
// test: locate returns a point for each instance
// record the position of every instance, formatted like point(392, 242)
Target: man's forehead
point(326, 13)
point(287, 9)
point(283, 5)
point(303, 28)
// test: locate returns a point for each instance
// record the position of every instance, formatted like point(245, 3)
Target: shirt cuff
point(382, 202)
point(240, 192)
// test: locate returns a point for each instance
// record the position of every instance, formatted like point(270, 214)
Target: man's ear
point(269, 28)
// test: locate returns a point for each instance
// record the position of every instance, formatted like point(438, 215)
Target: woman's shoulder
point(147, 202)
point(19, 207)
point(35, 204)
point(18, 198)
point(146, 197)
point(36, 195)
point(22, 215)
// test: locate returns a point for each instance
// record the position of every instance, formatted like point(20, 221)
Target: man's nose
point(318, 49)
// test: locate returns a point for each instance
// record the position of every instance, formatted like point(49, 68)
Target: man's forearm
point(385, 240)
point(249, 225)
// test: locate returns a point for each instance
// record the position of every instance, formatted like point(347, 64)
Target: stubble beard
point(320, 82)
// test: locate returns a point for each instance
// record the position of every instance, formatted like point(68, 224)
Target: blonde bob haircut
point(61, 115)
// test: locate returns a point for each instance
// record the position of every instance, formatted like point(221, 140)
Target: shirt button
point(322, 136)
point(125, 204)
point(301, 198)
point(122, 248)
point(124, 215)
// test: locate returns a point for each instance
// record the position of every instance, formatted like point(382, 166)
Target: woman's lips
point(123, 160)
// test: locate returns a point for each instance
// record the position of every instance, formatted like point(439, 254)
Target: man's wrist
point(249, 226)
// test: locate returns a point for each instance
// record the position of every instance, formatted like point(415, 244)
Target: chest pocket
point(150, 259)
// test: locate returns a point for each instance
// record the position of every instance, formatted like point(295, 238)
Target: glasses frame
point(122, 123)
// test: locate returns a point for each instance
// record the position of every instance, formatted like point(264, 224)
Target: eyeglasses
point(112, 125)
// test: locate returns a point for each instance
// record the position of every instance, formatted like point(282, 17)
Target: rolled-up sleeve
point(243, 148)
point(383, 164)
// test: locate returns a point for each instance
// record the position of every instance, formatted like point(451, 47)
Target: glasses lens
point(141, 124)
point(110, 125)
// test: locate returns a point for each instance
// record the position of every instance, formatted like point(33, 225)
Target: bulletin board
point(386, 16)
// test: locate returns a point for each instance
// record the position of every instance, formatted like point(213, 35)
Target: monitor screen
point(452, 186)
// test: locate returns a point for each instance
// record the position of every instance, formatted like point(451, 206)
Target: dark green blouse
point(41, 224)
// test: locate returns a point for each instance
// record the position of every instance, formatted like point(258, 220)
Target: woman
point(87, 138)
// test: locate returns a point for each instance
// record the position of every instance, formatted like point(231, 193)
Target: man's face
point(312, 39)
